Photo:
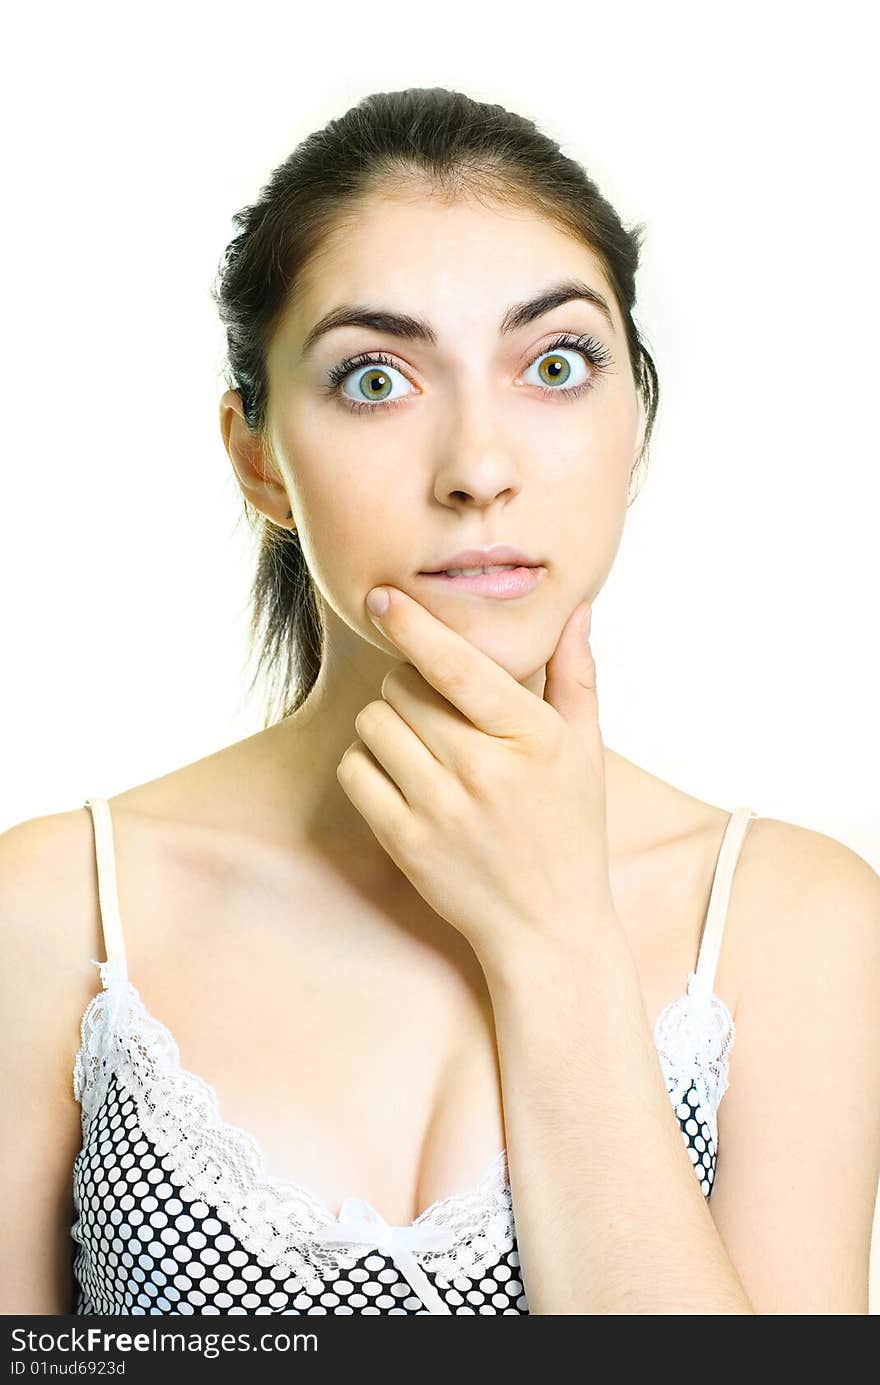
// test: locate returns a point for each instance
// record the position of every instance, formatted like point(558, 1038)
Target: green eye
point(560, 368)
point(373, 382)
point(555, 370)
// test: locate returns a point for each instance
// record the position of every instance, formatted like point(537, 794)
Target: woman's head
point(453, 215)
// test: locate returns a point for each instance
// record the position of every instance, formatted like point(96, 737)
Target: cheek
point(358, 520)
point(587, 514)
point(355, 532)
point(591, 450)
point(588, 480)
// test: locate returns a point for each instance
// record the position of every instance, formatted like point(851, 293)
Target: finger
point(403, 755)
point(449, 736)
point(480, 688)
point(376, 797)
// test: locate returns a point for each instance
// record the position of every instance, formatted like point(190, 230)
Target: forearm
point(610, 1215)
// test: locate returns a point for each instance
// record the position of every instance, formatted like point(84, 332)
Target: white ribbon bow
point(360, 1224)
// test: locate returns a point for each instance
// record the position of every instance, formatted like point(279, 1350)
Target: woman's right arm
point(49, 932)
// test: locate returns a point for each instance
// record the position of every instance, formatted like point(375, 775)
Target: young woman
point(416, 1000)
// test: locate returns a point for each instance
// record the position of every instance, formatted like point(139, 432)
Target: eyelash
point(592, 350)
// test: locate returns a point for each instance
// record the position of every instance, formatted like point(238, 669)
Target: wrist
point(589, 944)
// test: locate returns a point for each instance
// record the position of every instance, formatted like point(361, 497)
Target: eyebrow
point(414, 329)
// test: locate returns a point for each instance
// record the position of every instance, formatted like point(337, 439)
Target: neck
point(305, 748)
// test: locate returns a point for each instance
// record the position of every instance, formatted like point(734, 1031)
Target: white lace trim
point(222, 1164)
point(693, 1036)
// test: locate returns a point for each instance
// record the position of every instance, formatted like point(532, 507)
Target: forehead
point(457, 264)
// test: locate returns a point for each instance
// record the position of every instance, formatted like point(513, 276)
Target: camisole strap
point(713, 928)
point(108, 894)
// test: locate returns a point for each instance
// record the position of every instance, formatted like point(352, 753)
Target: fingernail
point(378, 601)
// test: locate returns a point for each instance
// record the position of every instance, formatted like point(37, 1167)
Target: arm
point(610, 1215)
point(799, 1127)
point(44, 977)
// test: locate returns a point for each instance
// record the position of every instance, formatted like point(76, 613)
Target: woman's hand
point(490, 800)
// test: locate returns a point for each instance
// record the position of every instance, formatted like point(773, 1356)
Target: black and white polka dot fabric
point(174, 1213)
point(147, 1246)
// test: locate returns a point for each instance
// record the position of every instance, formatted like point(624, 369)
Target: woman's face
point(466, 440)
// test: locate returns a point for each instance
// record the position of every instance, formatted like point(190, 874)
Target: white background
point(736, 639)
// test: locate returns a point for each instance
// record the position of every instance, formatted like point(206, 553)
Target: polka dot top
point(176, 1213)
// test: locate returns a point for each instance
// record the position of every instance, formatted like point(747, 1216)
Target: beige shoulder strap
point(108, 894)
point(713, 928)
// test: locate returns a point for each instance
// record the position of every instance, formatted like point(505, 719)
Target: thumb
point(570, 677)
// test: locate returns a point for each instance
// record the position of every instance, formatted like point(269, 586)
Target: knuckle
point(477, 774)
point(408, 832)
point(403, 834)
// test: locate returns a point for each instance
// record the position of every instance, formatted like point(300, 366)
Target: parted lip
point(485, 557)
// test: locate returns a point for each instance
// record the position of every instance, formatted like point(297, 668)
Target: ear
point(255, 472)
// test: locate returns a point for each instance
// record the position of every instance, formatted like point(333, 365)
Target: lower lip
point(517, 581)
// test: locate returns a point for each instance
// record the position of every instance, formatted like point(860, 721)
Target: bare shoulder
point(49, 900)
point(50, 932)
point(808, 941)
point(799, 1131)
point(813, 855)
point(803, 906)
point(804, 889)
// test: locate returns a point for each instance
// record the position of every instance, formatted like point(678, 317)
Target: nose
point(479, 464)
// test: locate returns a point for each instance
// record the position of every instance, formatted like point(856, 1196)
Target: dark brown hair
point(388, 141)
